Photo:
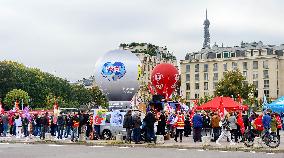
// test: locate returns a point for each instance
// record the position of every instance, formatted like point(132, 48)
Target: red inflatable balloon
point(164, 79)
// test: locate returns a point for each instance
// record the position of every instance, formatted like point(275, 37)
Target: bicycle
point(271, 140)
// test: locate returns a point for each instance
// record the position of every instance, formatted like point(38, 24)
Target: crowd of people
point(61, 126)
point(230, 127)
point(176, 125)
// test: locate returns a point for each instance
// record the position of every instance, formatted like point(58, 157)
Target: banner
point(116, 118)
point(100, 116)
point(26, 112)
point(1, 108)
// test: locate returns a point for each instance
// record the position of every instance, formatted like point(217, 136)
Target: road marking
point(4, 143)
point(123, 147)
point(55, 145)
point(96, 146)
point(200, 150)
point(182, 149)
point(270, 153)
point(252, 152)
point(223, 151)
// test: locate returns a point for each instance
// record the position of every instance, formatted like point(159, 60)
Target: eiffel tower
point(206, 43)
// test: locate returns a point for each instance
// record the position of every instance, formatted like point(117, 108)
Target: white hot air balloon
point(117, 73)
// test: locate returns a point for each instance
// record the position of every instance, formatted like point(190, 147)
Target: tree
point(98, 98)
point(234, 84)
point(42, 86)
point(14, 95)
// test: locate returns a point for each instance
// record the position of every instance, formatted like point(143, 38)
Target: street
point(79, 151)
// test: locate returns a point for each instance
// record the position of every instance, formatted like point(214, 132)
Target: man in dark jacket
point(149, 121)
point(43, 125)
point(68, 127)
point(128, 124)
point(136, 130)
point(187, 126)
point(60, 126)
point(161, 125)
point(197, 126)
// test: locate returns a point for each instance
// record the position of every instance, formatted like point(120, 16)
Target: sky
point(66, 37)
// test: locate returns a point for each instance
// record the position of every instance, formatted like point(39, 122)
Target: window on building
point(205, 67)
point(206, 93)
point(245, 74)
point(187, 68)
point(215, 77)
point(245, 65)
point(225, 67)
point(256, 94)
point(265, 74)
point(265, 64)
point(266, 93)
point(187, 86)
point(255, 65)
point(255, 83)
point(206, 77)
point(196, 67)
point(187, 77)
point(187, 95)
point(266, 84)
point(196, 95)
point(197, 86)
point(215, 67)
point(234, 65)
point(205, 85)
point(226, 54)
point(219, 55)
point(255, 75)
point(233, 54)
point(215, 85)
point(196, 77)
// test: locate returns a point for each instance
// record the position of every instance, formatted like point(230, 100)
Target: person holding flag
point(225, 124)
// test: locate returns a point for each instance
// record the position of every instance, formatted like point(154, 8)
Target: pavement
point(20, 150)
point(187, 144)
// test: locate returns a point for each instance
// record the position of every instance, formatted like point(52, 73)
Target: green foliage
point(233, 84)
point(14, 95)
point(151, 50)
point(98, 97)
point(204, 100)
point(41, 86)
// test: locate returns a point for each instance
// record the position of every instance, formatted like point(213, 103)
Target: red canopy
point(229, 104)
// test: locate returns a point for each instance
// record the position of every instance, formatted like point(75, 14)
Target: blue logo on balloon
point(114, 71)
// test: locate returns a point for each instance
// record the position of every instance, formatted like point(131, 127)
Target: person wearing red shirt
point(279, 124)
point(258, 126)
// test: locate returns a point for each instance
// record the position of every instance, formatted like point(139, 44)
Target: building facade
point(261, 65)
point(150, 56)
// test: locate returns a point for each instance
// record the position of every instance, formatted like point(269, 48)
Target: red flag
point(221, 108)
point(240, 99)
point(193, 109)
point(240, 122)
point(17, 106)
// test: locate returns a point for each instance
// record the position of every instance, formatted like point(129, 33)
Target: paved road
point(81, 151)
